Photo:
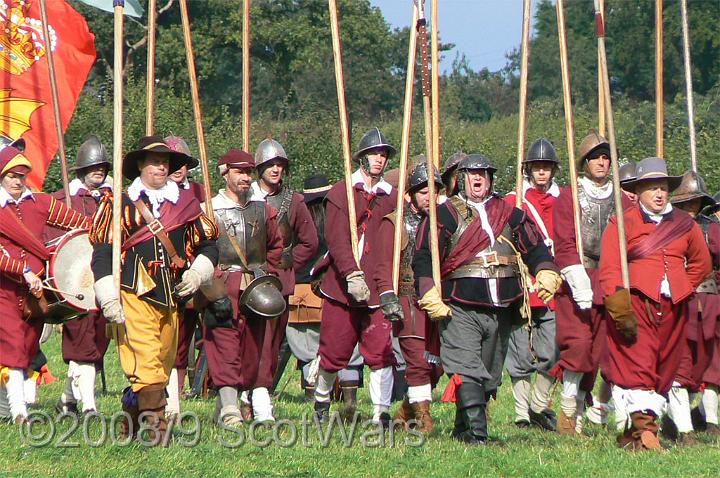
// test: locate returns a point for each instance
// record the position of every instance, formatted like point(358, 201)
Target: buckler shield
point(267, 150)
point(373, 139)
point(90, 153)
point(692, 186)
point(591, 142)
point(263, 297)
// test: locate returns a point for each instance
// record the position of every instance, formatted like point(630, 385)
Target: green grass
point(514, 452)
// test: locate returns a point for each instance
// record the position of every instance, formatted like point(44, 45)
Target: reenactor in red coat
point(23, 217)
point(352, 310)
point(84, 341)
point(646, 327)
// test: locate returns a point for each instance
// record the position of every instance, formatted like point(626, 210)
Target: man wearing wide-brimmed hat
point(169, 251)
point(667, 260)
point(84, 341)
point(703, 315)
point(578, 311)
point(23, 216)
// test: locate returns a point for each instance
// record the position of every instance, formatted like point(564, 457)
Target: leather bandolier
point(709, 285)
point(595, 214)
point(282, 202)
point(243, 228)
point(494, 262)
point(406, 286)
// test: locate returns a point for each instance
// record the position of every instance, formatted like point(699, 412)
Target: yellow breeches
point(147, 343)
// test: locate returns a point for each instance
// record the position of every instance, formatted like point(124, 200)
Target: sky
point(484, 30)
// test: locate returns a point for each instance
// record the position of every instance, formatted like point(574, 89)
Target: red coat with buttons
point(19, 337)
point(686, 260)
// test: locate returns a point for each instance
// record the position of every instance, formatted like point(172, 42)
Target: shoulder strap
point(158, 230)
point(664, 234)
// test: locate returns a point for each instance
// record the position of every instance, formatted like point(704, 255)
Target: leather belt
point(492, 259)
point(158, 230)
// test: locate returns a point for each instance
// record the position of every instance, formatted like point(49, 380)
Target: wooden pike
point(246, 75)
point(600, 31)
point(119, 7)
point(196, 108)
point(522, 115)
point(569, 124)
point(344, 127)
point(659, 93)
point(56, 105)
point(601, 98)
point(404, 149)
point(688, 84)
point(150, 86)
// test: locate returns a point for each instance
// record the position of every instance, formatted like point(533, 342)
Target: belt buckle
point(490, 262)
point(155, 227)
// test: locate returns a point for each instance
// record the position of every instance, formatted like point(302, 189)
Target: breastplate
point(282, 202)
point(411, 223)
point(595, 214)
point(244, 229)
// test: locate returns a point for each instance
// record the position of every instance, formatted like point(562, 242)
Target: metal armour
point(591, 142)
point(541, 150)
point(263, 298)
point(407, 278)
point(692, 187)
point(466, 214)
point(282, 202)
point(373, 139)
point(595, 214)
point(419, 177)
point(247, 226)
point(267, 150)
point(627, 172)
point(476, 161)
point(90, 153)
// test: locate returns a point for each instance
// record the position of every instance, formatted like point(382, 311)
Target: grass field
point(514, 452)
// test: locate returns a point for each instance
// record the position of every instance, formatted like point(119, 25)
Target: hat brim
point(77, 168)
point(673, 182)
point(310, 197)
point(177, 160)
point(390, 151)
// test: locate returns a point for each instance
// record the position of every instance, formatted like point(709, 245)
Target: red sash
point(665, 232)
point(12, 228)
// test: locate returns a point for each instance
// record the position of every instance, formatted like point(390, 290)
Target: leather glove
point(391, 307)
point(357, 287)
point(200, 272)
point(620, 309)
point(580, 285)
point(547, 283)
point(106, 297)
point(218, 313)
point(432, 303)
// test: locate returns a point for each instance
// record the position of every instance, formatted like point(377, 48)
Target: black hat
point(315, 187)
point(153, 144)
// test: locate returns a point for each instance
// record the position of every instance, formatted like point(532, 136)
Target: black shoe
point(385, 420)
point(69, 407)
point(321, 413)
point(459, 427)
point(698, 420)
point(472, 407)
point(547, 420)
point(668, 428)
point(522, 423)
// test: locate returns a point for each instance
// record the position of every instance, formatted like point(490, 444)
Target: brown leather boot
point(422, 415)
point(151, 403)
point(565, 424)
point(129, 423)
point(349, 397)
point(642, 435)
point(246, 411)
point(404, 413)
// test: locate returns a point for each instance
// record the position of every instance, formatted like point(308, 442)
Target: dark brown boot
point(404, 414)
point(349, 397)
point(565, 424)
point(712, 429)
point(422, 415)
point(642, 434)
point(129, 423)
point(246, 410)
point(151, 403)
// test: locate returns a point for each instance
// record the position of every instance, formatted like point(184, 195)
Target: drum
point(69, 272)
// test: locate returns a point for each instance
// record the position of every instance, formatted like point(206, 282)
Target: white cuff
point(105, 290)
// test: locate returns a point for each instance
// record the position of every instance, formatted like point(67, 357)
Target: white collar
point(595, 191)
point(357, 178)
point(184, 184)
point(76, 185)
point(6, 198)
point(553, 190)
point(222, 201)
point(657, 217)
point(169, 192)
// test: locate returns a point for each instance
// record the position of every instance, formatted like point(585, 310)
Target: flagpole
point(405, 149)
point(522, 115)
point(150, 97)
point(246, 75)
point(118, 8)
point(196, 108)
point(344, 127)
point(56, 104)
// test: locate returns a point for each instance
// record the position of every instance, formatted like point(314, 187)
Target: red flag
point(25, 96)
